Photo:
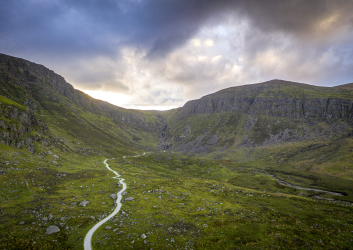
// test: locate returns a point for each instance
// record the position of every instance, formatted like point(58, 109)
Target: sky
point(159, 54)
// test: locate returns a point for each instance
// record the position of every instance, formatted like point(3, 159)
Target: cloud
point(166, 52)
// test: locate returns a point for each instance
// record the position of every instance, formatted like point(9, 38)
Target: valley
point(262, 166)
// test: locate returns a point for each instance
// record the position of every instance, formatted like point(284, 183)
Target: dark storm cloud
point(74, 37)
point(79, 26)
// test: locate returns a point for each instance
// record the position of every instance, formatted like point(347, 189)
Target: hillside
point(261, 114)
point(70, 111)
point(262, 166)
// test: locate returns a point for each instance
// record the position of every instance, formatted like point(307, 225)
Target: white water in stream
point(88, 238)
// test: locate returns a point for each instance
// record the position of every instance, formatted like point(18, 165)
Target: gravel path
point(88, 238)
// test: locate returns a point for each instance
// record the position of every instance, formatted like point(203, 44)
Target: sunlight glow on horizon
point(122, 100)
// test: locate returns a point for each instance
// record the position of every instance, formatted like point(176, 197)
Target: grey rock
point(143, 236)
point(129, 199)
point(52, 229)
point(108, 227)
point(113, 196)
point(22, 223)
point(83, 203)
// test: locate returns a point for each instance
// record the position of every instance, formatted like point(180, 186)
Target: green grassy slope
point(212, 190)
point(179, 202)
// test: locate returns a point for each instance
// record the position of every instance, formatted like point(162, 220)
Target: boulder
point(83, 203)
point(52, 229)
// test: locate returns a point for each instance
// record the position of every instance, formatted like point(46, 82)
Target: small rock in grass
point(113, 196)
point(103, 203)
point(22, 223)
point(61, 224)
point(143, 236)
point(73, 203)
point(124, 193)
point(108, 227)
point(52, 229)
point(129, 199)
point(83, 203)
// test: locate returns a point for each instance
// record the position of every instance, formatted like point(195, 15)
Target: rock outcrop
point(261, 114)
point(245, 116)
point(20, 127)
point(277, 98)
point(39, 82)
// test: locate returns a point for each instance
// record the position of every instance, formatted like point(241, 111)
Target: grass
point(183, 210)
point(7, 101)
point(179, 202)
point(221, 198)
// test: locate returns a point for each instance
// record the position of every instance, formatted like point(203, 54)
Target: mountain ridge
point(299, 110)
point(38, 75)
point(223, 176)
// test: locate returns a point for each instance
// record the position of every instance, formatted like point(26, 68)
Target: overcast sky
point(158, 54)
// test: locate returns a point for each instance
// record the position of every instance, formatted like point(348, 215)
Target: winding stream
point(287, 184)
point(88, 238)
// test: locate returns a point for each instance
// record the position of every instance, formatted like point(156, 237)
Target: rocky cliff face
point(20, 127)
point(261, 114)
point(39, 81)
point(245, 116)
point(277, 98)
